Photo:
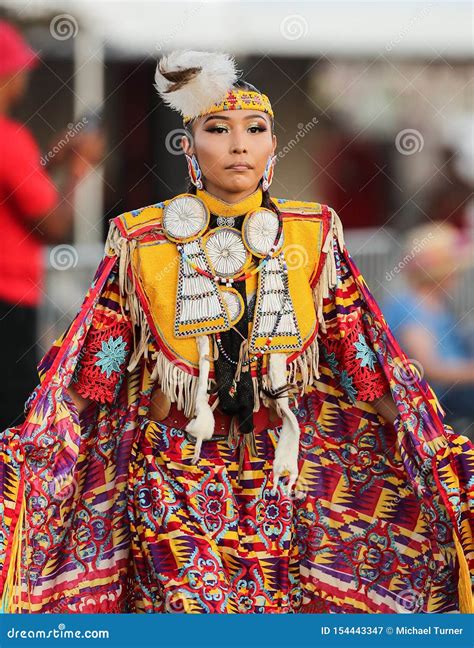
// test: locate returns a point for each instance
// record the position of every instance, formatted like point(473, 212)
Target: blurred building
point(373, 105)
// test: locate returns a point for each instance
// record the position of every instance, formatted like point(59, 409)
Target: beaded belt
point(261, 420)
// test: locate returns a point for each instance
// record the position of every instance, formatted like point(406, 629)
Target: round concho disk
point(259, 230)
point(233, 302)
point(226, 251)
point(185, 217)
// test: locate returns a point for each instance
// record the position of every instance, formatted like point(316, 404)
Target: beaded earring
point(194, 171)
point(268, 173)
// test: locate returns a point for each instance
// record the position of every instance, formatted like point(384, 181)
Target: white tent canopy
point(275, 28)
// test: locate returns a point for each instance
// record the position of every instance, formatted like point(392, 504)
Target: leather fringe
point(328, 278)
point(180, 386)
point(124, 249)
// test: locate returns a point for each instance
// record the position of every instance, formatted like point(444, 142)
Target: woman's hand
point(386, 407)
point(79, 401)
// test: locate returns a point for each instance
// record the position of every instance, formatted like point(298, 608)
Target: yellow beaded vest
point(149, 266)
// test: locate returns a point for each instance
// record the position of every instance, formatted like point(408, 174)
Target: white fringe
point(286, 452)
point(202, 426)
point(328, 278)
point(307, 364)
point(180, 386)
point(123, 248)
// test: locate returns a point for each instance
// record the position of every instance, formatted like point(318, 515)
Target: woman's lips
point(239, 167)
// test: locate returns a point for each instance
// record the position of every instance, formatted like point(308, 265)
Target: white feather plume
point(210, 85)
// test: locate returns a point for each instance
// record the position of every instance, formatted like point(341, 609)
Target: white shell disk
point(185, 217)
point(233, 302)
point(226, 251)
point(259, 231)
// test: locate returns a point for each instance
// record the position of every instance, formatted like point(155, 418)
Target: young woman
point(228, 424)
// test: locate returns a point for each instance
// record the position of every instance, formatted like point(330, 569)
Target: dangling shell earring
point(194, 171)
point(268, 173)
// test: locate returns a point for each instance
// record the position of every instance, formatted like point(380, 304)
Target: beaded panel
point(199, 305)
point(275, 327)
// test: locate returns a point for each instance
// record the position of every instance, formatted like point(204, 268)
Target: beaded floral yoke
point(106, 513)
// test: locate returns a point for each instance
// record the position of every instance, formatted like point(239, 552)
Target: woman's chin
point(241, 182)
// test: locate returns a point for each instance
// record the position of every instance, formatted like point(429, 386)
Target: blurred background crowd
point(374, 116)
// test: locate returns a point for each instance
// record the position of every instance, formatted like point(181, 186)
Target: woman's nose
point(238, 146)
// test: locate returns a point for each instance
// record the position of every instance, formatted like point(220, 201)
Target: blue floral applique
point(112, 355)
point(331, 360)
point(365, 353)
point(77, 368)
point(347, 385)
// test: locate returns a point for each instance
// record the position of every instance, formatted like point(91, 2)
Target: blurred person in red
point(33, 213)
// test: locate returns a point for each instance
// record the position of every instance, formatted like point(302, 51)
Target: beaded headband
point(238, 99)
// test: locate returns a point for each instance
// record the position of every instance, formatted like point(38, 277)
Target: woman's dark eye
point(220, 129)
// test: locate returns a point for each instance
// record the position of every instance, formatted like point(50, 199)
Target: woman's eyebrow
point(228, 118)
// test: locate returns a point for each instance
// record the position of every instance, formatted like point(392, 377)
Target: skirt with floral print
point(353, 539)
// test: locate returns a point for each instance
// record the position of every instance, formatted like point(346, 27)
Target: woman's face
point(229, 138)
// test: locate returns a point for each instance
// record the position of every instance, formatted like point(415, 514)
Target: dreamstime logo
point(303, 130)
point(61, 632)
point(409, 600)
point(296, 256)
point(393, 503)
point(63, 26)
point(177, 365)
point(294, 27)
point(63, 487)
point(409, 141)
point(400, 499)
point(63, 257)
point(416, 249)
point(401, 34)
point(173, 141)
point(409, 371)
point(166, 269)
point(300, 490)
point(72, 131)
point(172, 33)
